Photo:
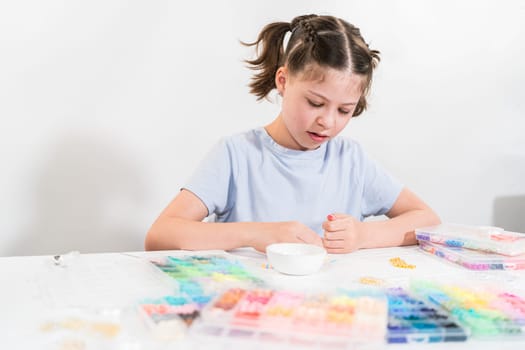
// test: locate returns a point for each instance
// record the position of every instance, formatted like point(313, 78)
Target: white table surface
point(34, 290)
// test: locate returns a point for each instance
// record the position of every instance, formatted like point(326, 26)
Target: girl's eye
point(344, 111)
point(313, 104)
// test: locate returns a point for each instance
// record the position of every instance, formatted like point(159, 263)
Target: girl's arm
point(344, 233)
point(408, 213)
point(180, 226)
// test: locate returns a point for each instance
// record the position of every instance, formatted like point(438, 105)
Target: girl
point(295, 180)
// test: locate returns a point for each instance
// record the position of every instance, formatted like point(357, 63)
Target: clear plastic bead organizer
point(288, 318)
point(484, 238)
point(473, 259)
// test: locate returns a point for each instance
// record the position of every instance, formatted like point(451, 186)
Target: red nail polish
point(331, 217)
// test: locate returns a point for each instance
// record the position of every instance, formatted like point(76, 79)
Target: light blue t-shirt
point(249, 177)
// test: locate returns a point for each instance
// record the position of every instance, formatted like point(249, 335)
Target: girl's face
point(315, 110)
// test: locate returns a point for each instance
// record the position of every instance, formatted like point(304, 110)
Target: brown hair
point(324, 41)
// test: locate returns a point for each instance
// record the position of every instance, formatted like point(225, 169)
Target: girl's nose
point(327, 119)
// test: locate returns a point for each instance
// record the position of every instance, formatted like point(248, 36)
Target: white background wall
point(108, 106)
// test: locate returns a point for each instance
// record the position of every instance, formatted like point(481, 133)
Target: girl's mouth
point(317, 137)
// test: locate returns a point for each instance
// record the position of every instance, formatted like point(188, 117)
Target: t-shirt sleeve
point(212, 181)
point(380, 189)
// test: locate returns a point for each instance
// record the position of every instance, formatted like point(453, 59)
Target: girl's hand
point(343, 233)
point(285, 232)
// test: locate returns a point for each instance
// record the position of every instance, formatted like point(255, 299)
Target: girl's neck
point(279, 133)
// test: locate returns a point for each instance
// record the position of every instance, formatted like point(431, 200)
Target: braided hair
point(323, 41)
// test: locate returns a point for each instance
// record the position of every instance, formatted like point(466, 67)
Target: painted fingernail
point(331, 217)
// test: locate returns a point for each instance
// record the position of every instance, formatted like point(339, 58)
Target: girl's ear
point(281, 77)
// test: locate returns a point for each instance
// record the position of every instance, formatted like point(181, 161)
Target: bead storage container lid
point(472, 259)
point(485, 238)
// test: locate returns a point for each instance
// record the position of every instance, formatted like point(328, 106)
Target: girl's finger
point(337, 225)
point(333, 244)
point(334, 235)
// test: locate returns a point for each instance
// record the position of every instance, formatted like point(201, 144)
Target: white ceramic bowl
point(295, 258)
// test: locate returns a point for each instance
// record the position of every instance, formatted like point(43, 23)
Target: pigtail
point(374, 59)
point(270, 52)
